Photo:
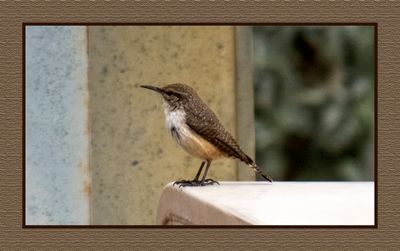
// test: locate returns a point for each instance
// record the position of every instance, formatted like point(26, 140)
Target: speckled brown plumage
point(204, 122)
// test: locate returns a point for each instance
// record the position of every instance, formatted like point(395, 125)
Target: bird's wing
point(209, 127)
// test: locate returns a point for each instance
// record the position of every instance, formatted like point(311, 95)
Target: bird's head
point(174, 94)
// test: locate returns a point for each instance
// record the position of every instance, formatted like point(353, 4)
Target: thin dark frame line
point(375, 25)
point(204, 226)
point(23, 129)
point(199, 24)
point(376, 123)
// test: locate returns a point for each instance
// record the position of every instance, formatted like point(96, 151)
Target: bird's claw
point(209, 182)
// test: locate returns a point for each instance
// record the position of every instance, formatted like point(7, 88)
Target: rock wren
point(197, 130)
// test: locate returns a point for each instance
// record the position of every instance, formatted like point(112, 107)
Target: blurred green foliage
point(314, 102)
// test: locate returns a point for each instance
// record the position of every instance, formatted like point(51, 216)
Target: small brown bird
point(197, 130)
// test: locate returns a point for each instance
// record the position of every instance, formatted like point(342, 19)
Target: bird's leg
point(194, 182)
point(204, 181)
point(198, 172)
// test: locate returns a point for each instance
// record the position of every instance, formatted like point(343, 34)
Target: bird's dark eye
point(169, 93)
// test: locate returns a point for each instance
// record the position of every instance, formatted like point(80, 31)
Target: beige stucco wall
point(132, 155)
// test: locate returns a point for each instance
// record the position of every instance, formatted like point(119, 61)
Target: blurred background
point(314, 102)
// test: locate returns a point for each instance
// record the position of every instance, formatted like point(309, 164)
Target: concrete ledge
point(262, 203)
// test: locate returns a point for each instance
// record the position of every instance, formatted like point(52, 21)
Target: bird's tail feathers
point(256, 169)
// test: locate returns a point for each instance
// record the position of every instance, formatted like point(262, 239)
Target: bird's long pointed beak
point(153, 88)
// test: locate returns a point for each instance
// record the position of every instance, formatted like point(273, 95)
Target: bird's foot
point(193, 183)
point(185, 183)
point(209, 182)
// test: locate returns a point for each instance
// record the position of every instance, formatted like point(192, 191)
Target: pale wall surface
point(132, 154)
point(57, 139)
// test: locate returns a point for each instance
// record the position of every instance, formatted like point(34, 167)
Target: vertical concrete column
point(133, 155)
point(245, 97)
point(57, 132)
